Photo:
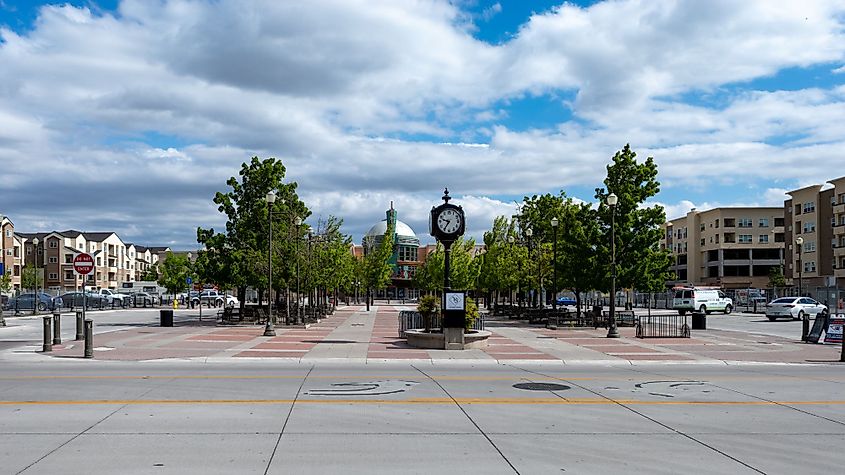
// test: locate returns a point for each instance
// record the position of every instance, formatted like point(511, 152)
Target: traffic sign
point(83, 263)
point(189, 280)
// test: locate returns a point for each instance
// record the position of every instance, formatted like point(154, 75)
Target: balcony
point(839, 208)
point(839, 229)
point(839, 251)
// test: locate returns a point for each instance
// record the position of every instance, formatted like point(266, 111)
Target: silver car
point(794, 307)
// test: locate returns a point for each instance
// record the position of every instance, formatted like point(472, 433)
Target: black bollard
point(805, 327)
point(80, 323)
point(48, 334)
point(89, 338)
point(57, 328)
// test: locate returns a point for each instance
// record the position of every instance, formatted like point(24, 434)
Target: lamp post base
point(268, 329)
point(613, 332)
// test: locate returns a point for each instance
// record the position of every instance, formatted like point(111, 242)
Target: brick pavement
point(512, 342)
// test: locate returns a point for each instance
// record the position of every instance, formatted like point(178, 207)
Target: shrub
point(428, 306)
point(471, 315)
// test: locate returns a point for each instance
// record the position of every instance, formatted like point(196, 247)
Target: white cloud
point(159, 104)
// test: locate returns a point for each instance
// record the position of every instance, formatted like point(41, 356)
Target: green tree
point(238, 257)
point(504, 262)
point(29, 277)
point(5, 283)
point(377, 268)
point(463, 267)
point(776, 278)
point(174, 273)
point(641, 264)
point(151, 273)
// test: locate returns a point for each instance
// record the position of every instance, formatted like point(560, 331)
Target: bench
point(624, 318)
point(229, 316)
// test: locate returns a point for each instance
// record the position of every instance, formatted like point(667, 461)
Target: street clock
point(446, 222)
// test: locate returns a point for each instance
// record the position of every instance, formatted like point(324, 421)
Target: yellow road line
point(333, 377)
point(413, 401)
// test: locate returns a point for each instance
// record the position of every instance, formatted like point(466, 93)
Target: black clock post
point(447, 224)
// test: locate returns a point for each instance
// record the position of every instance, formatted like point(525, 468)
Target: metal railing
point(663, 326)
point(410, 319)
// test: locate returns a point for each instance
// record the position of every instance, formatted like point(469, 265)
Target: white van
point(701, 300)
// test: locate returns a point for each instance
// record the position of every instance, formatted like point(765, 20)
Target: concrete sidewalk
point(353, 334)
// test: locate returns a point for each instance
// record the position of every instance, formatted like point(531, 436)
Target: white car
point(214, 298)
point(701, 300)
point(794, 307)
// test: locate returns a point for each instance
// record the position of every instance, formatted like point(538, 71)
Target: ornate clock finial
point(446, 196)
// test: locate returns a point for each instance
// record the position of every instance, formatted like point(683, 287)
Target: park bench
point(624, 318)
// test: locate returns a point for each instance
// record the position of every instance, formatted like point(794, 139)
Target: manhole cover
point(541, 386)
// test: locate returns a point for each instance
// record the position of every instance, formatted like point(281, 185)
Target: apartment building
point(10, 252)
point(733, 248)
point(817, 217)
point(52, 253)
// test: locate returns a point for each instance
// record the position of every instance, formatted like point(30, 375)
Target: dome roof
point(402, 229)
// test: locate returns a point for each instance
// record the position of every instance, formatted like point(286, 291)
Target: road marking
point(420, 401)
point(333, 377)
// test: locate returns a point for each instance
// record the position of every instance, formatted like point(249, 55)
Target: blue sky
point(152, 105)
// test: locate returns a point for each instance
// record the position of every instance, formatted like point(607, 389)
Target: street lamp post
point(36, 298)
point(299, 316)
point(269, 329)
point(799, 241)
point(555, 222)
point(528, 233)
point(612, 331)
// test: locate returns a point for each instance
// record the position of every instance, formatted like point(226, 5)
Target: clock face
point(449, 221)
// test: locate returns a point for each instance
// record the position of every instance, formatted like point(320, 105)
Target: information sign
point(834, 329)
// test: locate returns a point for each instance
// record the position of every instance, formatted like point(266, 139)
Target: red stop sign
point(83, 263)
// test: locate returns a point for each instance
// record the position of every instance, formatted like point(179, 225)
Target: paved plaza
point(347, 395)
point(356, 335)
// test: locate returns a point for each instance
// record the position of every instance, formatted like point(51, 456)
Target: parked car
point(701, 300)
point(115, 299)
point(140, 299)
point(27, 302)
point(794, 307)
point(214, 298)
point(78, 299)
point(566, 301)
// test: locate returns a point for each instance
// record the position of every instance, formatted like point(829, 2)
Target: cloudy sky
point(128, 115)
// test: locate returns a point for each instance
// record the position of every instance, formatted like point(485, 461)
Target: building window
point(717, 223)
point(764, 223)
point(717, 239)
point(53, 276)
point(68, 259)
point(54, 244)
point(744, 223)
point(8, 233)
point(701, 228)
point(730, 222)
point(702, 242)
point(8, 252)
point(53, 260)
point(798, 209)
point(809, 207)
point(810, 227)
point(779, 222)
point(810, 246)
point(69, 275)
point(809, 266)
point(764, 239)
point(745, 239)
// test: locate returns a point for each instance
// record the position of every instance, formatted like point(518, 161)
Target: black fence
point(411, 319)
point(663, 326)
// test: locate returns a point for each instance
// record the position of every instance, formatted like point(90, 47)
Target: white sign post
point(83, 264)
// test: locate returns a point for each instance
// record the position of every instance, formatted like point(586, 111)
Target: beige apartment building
point(10, 252)
point(733, 248)
point(816, 219)
point(52, 253)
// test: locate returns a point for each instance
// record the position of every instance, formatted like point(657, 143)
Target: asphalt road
point(96, 417)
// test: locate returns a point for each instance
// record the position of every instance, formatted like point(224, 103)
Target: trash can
point(166, 318)
point(699, 321)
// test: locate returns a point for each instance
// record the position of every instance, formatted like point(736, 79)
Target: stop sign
point(83, 263)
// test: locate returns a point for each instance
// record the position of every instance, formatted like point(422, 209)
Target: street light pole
point(269, 329)
point(36, 298)
point(612, 331)
point(298, 222)
point(799, 241)
point(555, 222)
point(528, 233)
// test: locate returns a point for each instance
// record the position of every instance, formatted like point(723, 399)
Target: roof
point(70, 233)
point(97, 237)
point(402, 229)
point(157, 248)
